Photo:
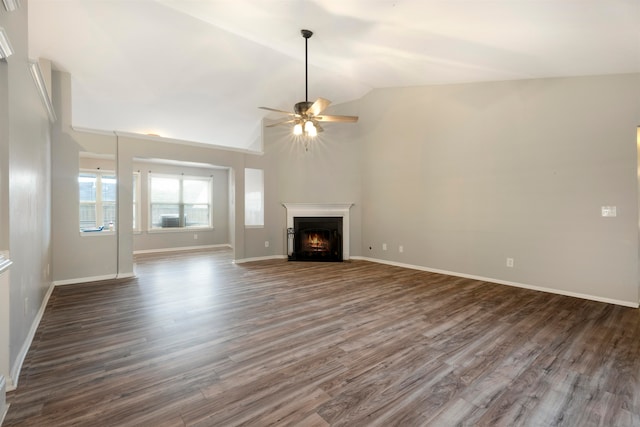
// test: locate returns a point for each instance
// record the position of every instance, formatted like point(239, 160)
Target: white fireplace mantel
point(320, 210)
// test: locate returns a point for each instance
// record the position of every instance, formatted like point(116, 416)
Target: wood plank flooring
point(196, 340)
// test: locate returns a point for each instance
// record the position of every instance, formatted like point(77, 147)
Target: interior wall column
point(124, 226)
point(236, 205)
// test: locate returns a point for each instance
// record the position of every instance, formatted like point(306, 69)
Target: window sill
point(179, 229)
point(254, 226)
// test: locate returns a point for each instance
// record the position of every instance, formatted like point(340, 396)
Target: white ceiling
point(198, 70)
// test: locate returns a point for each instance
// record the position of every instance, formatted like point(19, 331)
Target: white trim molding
point(11, 5)
point(322, 210)
point(84, 280)
point(5, 363)
point(41, 73)
point(504, 282)
point(260, 258)
point(181, 249)
point(5, 46)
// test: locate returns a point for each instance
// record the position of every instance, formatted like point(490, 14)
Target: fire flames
point(316, 242)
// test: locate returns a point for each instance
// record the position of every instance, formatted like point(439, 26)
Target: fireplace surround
point(320, 214)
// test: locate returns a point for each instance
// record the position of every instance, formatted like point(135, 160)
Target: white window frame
point(182, 227)
point(98, 204)
point(137, 216)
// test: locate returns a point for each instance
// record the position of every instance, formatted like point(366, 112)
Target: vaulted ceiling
point(198, 70)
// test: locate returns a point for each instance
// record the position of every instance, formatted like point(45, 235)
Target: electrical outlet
point(609, 211)
point(266, 243)
point(400, 248)
point(195, 237)
point(384, 246)
point(510, 262)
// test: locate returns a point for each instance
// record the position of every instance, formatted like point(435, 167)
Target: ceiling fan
point(307, 114)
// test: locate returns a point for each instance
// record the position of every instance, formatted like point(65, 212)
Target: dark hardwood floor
point(196, 340)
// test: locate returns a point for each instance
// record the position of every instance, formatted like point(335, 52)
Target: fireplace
point(319, 212)
point(317, 239)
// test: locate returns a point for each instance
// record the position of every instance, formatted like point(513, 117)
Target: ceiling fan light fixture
point(312, 131)
point(308, 126)
point(307, 114)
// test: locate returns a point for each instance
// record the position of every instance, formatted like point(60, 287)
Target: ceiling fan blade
point(281, 122)
point(344, 119)
point(318, 107)
point(278, 111)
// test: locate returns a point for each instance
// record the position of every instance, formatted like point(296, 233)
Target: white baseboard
point(180, 249)
point(504, 282)
point(84, 280)
point(93, 279)
point(260, 258)
point(12, 382)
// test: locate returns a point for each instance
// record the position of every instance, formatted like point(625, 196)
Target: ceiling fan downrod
point(306, 34)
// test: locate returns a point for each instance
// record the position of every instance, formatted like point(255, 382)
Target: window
point(179, 201)
point(253, 197)
point(97, 200)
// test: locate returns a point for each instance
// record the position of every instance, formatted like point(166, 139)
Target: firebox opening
point(317, 239)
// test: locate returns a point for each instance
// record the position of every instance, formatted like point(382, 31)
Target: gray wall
point(228, 205)
point(4, 152)
point(76, 255)
point(328, 172)
point(143, 239)
point(25, 150)
point(90, 256)
point(464, 176)
point(150, 241)
point(461, 176)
